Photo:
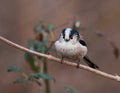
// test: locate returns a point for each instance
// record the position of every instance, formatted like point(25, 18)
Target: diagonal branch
point(50, 57)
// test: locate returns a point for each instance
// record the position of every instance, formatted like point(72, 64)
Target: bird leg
point(62, 60)
point(78, 63)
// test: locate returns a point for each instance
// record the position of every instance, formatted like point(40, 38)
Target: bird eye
point(71, 37)
point(63, 36)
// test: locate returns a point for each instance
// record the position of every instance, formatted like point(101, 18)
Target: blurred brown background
point(17, 19)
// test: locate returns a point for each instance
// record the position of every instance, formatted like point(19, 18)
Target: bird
point(71, 45)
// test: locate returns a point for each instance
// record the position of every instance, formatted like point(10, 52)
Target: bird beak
point(67, 39)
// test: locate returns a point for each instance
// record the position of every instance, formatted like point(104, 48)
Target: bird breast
point(68, 49)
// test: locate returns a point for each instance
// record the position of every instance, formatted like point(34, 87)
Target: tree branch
point(50, 57)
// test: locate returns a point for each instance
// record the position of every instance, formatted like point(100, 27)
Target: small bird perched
point(71, 45)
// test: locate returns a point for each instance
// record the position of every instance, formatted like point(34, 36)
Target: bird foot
point(77, 66)
point(62, 60)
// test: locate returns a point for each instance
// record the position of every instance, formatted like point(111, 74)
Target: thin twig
point(50, 57)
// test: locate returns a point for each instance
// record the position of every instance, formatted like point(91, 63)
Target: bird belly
point(70, 50)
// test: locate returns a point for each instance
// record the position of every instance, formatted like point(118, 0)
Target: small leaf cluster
point(26, 78)
point(40, 43)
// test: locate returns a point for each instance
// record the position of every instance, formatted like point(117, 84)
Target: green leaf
point(45, 76)
point(37, 27)
point(21, 80)
point(32, 76)
point(50, 27)
point(40, 75)
point(14, 69)
point(31, 60)
point(41, 47)
point(29, 57)
point(71, 89)
point(31, 44)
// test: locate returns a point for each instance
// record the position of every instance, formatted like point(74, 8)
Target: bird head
point(69, 34)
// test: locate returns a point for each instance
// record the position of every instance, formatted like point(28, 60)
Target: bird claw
point(77, 66)
point(62, 60)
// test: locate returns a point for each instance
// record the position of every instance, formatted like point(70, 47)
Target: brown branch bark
point(50, 57)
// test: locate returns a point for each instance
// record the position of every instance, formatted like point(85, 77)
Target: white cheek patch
point(74, 40)
point(75, 37)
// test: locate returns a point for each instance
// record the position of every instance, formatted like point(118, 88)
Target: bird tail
point(91, 64)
